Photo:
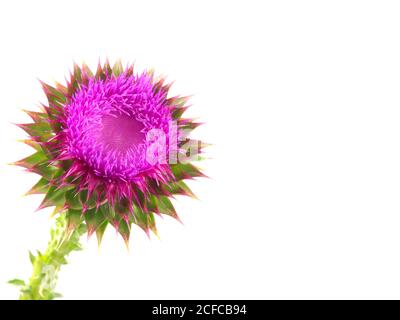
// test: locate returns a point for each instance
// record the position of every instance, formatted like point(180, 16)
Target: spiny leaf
point(38, 157)
point(86, 70)
point(74, 218)
point(32, 257)
point(152, 203)
point(178, 102)
point(54, 197)
point(185, 171)
point(178, 112)
point(178, 188)
point(54, 96)
point(41, 130)
point(45, 170)
point(100, 231)
point(160, 87)
point(42, 186)
point(166, 207)
point(145, 220)
point(76, 79)
point(187, 124)
point(117, 68)
point(100, 72)
point(107, 68)
point(124, 229)
point(152, 223)
point(77, 73)
point(108, 212)
point(58, 209)
point(129, 70)
point(36, 116)
point(32, 143)
point(93, 220)
point(85, 202)
point(62, 89)
point(73, 200)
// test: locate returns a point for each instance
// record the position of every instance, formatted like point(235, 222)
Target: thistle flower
point(111, 149)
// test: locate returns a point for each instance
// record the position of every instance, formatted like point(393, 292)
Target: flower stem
point(46, 265)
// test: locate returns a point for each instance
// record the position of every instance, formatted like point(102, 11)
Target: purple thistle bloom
point(107, 122)
point(111, 148)
point(93, 141)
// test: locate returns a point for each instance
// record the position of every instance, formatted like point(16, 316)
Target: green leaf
point(141, 218)
point(61, 259)
point(54, 197)
point(189, 125)
point(88, 203)
point(108, 212)
point(87, 70)
point(117, 68)
point(178, 188)
point(93, 220)
point(100, 72)
point(53, 95)
point(166, 207)
point(152, 203)
point(107, 70)
point(35, 145)
point(74, 218)
point(100, 231)
point(32, 258)
point(42, 186)
point(152, 223)
point(145, 220)
point(185, 171)
point(178, 102)
point(124, 230)
point(41, 130)
point(178, 112)
point(27, 291)
point(33, 160)
point(36, 116)
point(73, 200)
point(45, 170)
point(17, 282)
point(76, 80)
point(77, 73)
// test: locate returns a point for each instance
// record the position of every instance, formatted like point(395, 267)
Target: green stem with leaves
point(46, 265)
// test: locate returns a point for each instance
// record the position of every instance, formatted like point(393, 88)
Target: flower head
point(109, 147)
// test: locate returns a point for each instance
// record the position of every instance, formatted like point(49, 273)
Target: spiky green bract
point(73, 188)
point(47, 265)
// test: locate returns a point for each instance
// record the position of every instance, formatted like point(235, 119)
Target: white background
point(302, 102)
